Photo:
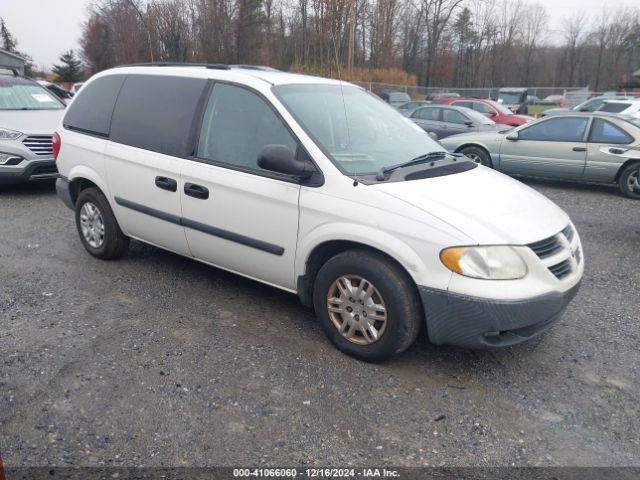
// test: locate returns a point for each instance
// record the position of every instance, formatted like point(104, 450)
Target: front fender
point(391, 245)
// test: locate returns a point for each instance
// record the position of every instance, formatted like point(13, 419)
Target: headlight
point(6, 134)
point(9, 159)
point(490, 263)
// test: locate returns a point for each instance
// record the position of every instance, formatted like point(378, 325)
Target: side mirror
point(513, 136)
point(469, 123)
point(491, 114)
point(433, 136)
point(280, 159)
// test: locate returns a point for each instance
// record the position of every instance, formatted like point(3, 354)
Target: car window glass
point(481, 107)
point(155, 112)
point(567, 129)
point(614, 107)
point(91, 110)
point(463, 104)
point(237, 125)
point(606, 132)
point(427, 113)
point(453, 116)
point(18, 93)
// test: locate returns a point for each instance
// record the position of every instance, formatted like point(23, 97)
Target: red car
point(494, 110)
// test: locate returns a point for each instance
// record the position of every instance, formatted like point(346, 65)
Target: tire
point(112, 243)
point(629, 180)
point(478, 155)
point(392, 288)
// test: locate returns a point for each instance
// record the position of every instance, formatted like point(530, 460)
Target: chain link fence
point(552, 96)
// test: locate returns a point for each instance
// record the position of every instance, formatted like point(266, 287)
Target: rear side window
point(156, 113)
point(606, 132)
point(91, 111)
point(463, 104)
point(614, 107)
point(427, 113)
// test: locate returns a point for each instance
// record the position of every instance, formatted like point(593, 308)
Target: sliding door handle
point(579, 149)
point(196, 191)
point(167, 184)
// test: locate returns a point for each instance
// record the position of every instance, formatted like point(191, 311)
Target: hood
point(492, 127)
point(31, 122)
point(485, 205)
point(480, 136)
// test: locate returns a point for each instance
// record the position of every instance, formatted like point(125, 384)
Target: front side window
point(453, 116)
point(21, 94)
point(566, 129)
point(360, 133)
point(606, 132)
point(237, 125)
point(482, 108)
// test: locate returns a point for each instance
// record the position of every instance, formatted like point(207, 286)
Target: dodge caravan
point(316, 187)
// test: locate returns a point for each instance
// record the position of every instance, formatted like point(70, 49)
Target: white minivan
point(317, 187)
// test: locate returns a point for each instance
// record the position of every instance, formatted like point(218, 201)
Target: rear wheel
point(629, 180)
point(367, 305)
point(478, 155)
point(97, 225)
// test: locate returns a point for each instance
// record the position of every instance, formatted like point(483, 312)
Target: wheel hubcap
point(92, 225)
point(357, 309)
point(633, 182)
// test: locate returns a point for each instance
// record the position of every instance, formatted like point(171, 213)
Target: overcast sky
point(46, 28)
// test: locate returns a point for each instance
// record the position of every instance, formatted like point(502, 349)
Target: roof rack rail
point(215, 66)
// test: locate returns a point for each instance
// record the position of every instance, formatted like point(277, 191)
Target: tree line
point(455, 43)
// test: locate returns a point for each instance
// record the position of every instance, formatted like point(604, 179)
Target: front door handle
point(579, 149)
point(196, 191)
point(166, 184)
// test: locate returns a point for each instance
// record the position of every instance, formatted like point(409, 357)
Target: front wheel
point(478, 155)
point(629, 181)
point(367, 304)
point(97, 225)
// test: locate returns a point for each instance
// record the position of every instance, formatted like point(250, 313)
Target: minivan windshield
point(20, 94)
point(358, 131)
point(510, 98)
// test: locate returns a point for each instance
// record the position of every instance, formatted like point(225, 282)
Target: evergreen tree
point(70, 69)
point(7, 40)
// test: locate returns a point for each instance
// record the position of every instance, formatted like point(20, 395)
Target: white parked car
point(627, 106)
point(316, 187)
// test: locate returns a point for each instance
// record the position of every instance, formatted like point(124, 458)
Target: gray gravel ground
point(159, 360)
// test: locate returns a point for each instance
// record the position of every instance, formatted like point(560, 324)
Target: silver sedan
point(589, 147)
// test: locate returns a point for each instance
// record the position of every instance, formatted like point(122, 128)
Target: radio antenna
point(344, 104)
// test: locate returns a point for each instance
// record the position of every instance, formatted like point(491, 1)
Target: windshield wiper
point(381, 175)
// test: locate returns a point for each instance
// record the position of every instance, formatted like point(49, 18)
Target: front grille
point(560, 253)
point(41, 145)
point(562, 269)
point(44, 170)
point(547, 247)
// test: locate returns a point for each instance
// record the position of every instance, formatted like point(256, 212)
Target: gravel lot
point(159, 360)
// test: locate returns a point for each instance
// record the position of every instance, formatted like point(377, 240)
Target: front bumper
point(472, 322)
point(29, 171)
